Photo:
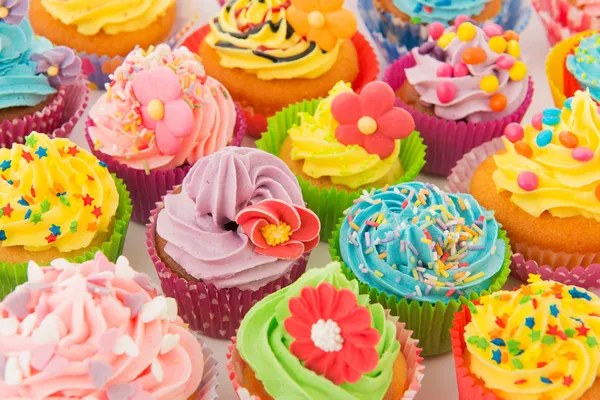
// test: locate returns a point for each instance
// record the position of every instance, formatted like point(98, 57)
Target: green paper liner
point(12, 275)
point(330, 203)
point(430, 323)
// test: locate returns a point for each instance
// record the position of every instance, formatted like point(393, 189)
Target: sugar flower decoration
point(60, 64)
point(163, 109)
point(13, 11)
point(370, 120)
point(280, 229)
point(322, 21)
point(333, 334)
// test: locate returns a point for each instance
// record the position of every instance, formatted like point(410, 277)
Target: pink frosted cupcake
point(564, 18)
point(161, 113)
point(462, 88)
point(98, 331)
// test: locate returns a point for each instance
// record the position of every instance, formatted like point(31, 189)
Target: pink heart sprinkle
point(41, 355)
point(144, 281)
point(16, 303)
point(134, 302)
point(106, 341)
point(55, 367)
point(100, 372)
point(121, 391)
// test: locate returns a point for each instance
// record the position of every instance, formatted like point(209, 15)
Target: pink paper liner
point(211, 311)
point(148, 189)
point(557, 266)
point(207, 389)
point(408, 346)
point(57, 119)
point(448, 141)
point(563, 19)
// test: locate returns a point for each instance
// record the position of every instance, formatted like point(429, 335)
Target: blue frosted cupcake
point(582, 64)
point(421, 253)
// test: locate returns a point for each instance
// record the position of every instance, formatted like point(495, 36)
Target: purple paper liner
point(56, 119)
point(447, 141)
point(521, 266)
point(205, 308)
point(207, 389)
point(148, 189)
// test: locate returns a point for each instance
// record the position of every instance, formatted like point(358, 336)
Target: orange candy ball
point(523, 149)
point(474, 56)
point(498, 102)
point(511, 35)
point(568, 140)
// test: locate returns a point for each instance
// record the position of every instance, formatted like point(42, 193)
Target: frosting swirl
point(122, 130)
point(476, 76)
point(54, 194)
point(414, 241)
point(553, 164)
point(436, 11)
point(591, 7)
point(198, 223)
point(540, 341)
point(266, 345)
point(111, 17)
point(583, 64)
point(94, 330)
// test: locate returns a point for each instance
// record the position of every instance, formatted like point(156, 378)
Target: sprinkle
point(497, 356)
point(418, 290)
point(450, 292)
point(354, 226)
point(2, 235)
point(498, 342)
point(545, 380)
point(382, 255)
point(369, 250)
point(530, 322)
point(378, 273)
point(475, 277)
point(576, 294)
point(42, 152)
point(413, 248)
point(554, 310)
point(367, 238)
point(520, 381)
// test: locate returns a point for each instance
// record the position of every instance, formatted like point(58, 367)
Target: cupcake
point(160, 114)
point(462, 88)
point(538, 342)
point(233, 232)
point(543, 182)
point(421, 253)
point(57, 201)
point(344, 144)
point(97, 330)
point(272, 53)
point(319, 338)
point(41, 87)
point(564, 18)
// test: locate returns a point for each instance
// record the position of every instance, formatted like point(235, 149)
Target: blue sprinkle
point(10, 181)
point(551, 112)
point(576, 294)
point(530, 322)
point(554, 310)
point(2, 235)
point(544, 138)
point(23, 202)
point(418, 8)
point(568, 103)
point(28, 214)
point(55, 230)
point(102, 163)
point(497, 356)
point(5, 165)
point(498, 342)
point(546, 380)
point(42, 152)
point(550, 120)
point(443, 3)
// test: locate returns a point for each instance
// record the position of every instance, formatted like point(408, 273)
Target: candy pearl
point(436, 29)
point(445, 39)
point(513, 132)
point(505, 61)
point(550, 120)
point(446, 91)
point(3, 12)
point(518, 71)
point(466, 32)
point(528, 181)
point(511, 35)
point(492, 30)
point(316, 19)
point(523, 149)
point(489, 83)
point(426, 48)
point(498, 102)
point(568, 139)
point(513, 48)
point(543, 138)
point(444, 71)
point(461, 69)
point(536, 121)
point(582, 154)
point(156, 109)
point(598, 192)
point(474, 56)
point(497, 44)
point(367, 125)
point(460, 19)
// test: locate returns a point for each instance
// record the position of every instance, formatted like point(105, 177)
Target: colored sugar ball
point(550, 120)
point(523, 149)
point(497, 44)
point(536, 121)
point(445, 39)
point(492, 30)
point(474, 56)
point(513, 48)
point(461, 69)
point(543, 138)
point(460, 19)
point(498, 102)
point(445, 71)
point(489, 83)
point(505, 61)
point(551, 112)
point(446, 92)
point(598, 192)
point(528, 181)
point(466, 31)
point(582, 154)
point(511, 35)
point(436, 29)
point(568, 140)
point(518, 71)
point(513, 132)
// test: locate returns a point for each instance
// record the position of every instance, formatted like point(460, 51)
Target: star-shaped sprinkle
point(30, 141)
point(7, 210)
point(50, 238)
point(557, 287)
point(535, 335)
point(533, 278)
point(576, 294)
point(35, 218)
point(554, 310)
point(23, 202)
point(73, 227)
point(583, 330)
point(530, 322)
point(591, 341)
point(27, 156)
point(2, 235)
point(42, 152)
point(73, 150)
point(45, 206)
point(513, 347)
point(97, 211)
point(570, 332)
point(568, 380)
point(498, 342)
point(525, 290)
point(92, 226)
point(64, 200)
point(55, 230)
point(5, 164)
point(482, 344)
point(497, 356)
point(548, 340)
point(525, 299)
point(517, 364)
point(87, 200)
point(472, 339)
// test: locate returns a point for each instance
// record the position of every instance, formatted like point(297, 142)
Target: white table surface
point(440, 381)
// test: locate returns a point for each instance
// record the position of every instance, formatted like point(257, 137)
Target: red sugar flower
point(279, 229)
point(333, 334)
point(370, 120)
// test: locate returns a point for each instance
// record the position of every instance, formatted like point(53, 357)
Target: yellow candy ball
point(466, 31)
point(489, 83)
point(497, 44)
point(513, 48)
point(518, 71)
point(445, 39)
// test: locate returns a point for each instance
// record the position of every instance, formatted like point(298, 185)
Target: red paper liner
point(148, 189)
point(447, 141)
point(570, 83)
point(257, 123)
point(561, 267)
point(205, 308)
point(563, 19)
point(57, 119)
point(408, 346)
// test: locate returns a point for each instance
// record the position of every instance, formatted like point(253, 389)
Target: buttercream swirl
point(94, 330)
point(109, 16)
point(540, 341)
point(429, 11)
point(414, 241)
point(479, 84)
point(20, 85)
point(583, 64)
point(264, 344)
point(119, 130)
point(254, 35)
point(197, 222)
point(53, 194)
point(314, 142)
point(561, 163)
point(591, 7)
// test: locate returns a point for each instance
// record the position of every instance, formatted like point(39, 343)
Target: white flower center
point(326, 336)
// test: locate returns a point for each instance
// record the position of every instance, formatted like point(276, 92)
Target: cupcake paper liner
point(257, 123)
point(147, 189)
point(330, 203)
point(394, 38)
point(447, 141)
point(557, 266)
point(207, 389)
point(430, 322)
point(12, 275)
point(57, 119)
point(562, 83)
point(563, 19)
point(211, 311)
point(408, 345)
